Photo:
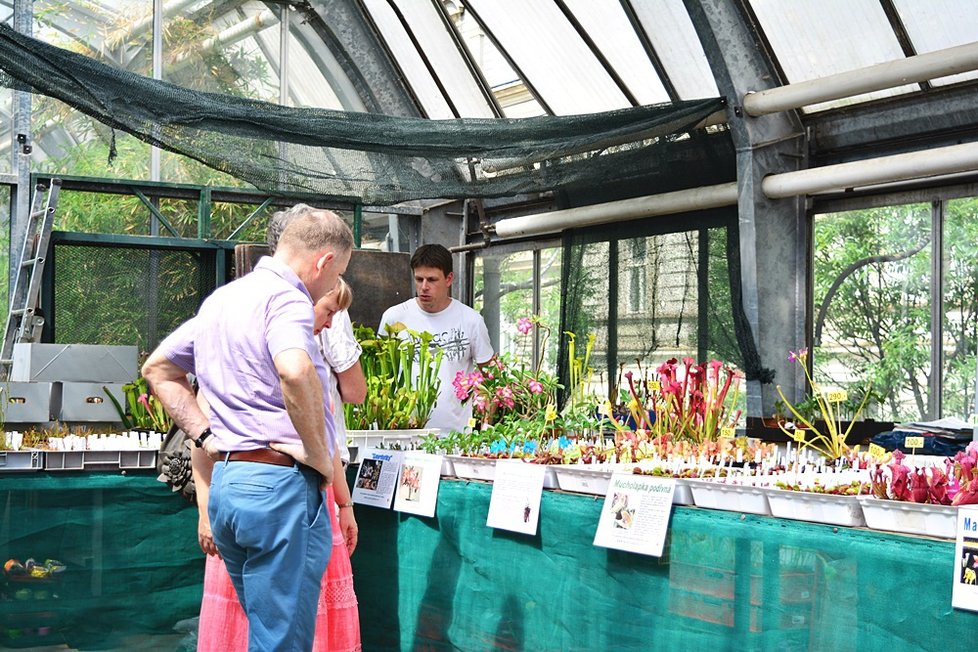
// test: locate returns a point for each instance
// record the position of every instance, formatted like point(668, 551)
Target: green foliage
point(877, 326)
point(401, 370)
point(142, 409)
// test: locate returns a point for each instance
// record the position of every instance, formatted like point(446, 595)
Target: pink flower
point(144, 399)
point(504, 397)
point(524, 325)
point(535, 387)
point(801, 354)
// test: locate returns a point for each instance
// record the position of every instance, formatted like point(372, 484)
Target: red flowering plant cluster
point(695, 402)
point(507, 389)
point(955, 484)
point(897, 481)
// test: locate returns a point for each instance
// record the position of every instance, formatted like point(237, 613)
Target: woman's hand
point(204, 536)
point(348, 526)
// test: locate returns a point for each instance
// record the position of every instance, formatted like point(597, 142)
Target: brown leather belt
point(263, 456)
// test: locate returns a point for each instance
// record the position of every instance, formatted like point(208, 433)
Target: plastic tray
point(940, 521)
point(830, 509)
point(25, 460)
point(730, 497)
point(592, 479)
point(101, 460)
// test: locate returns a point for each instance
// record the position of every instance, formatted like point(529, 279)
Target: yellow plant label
point(877, 452)
point(728, 432)
point(913, 442)
point(974, 419)
point(471, 423)
point(654, 385)
point(838, 396)
point(798, 435)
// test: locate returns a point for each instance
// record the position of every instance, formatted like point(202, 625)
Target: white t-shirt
point(340, 351)
point(461, 334)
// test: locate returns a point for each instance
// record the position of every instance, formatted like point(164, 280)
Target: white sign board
point(516, 491)
point(417, 488)
point(377, 477)
point(635, 516)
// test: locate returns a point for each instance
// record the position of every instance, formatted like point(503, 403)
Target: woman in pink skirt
point(223, 624)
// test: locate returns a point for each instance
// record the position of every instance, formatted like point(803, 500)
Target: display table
point(134, 570)
point(727, 582)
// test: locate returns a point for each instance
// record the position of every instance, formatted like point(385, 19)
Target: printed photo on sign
point(377, 478)
point(369, 477)
point(417, 488)
point(410, 488)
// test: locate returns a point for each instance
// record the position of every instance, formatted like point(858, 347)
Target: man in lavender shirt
point(252, 349)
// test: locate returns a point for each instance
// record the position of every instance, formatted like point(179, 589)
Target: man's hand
point(298, 452)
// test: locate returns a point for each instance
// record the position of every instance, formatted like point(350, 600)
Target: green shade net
point(364, 157)
point(727, 582)
point(134, 570)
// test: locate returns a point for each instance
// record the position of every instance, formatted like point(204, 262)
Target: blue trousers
point(271, 526)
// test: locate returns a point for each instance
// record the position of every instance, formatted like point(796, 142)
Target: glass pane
point(426, 23)
point(551, 295)
point(410, 62)
point(510, 91)
point(609, 28)
point(816, 39)
point(6, 124)
point(872, 283)
point(506, 295)
point(960, 307)
point(595, 313)
point(940, 24)
point(66, 141)
point(5, 251)
point(671, 32)
point(315, 76)
point(88, 212)
point(547, 49)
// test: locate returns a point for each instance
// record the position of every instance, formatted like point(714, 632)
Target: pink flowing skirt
point(224, 627)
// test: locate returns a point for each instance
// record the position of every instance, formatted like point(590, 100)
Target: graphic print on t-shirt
point(453, 342)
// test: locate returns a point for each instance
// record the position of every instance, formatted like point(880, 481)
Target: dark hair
point(432, 255)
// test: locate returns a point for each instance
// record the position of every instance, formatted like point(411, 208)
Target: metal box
point(89, 402)
point(74, 363)
point(30, 402)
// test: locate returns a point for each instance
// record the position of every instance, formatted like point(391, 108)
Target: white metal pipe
point(922, 67)
point(232, 34)
point(898, 167)
point(135, 28)
point(680, 201)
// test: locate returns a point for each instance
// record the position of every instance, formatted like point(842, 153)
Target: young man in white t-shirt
point(460, 332)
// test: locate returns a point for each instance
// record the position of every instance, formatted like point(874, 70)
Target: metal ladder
point(24, 323)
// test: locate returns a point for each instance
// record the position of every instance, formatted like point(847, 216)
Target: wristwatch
point(199, 442)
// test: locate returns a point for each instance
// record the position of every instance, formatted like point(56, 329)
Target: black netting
point(354, 156)
point(125, 295)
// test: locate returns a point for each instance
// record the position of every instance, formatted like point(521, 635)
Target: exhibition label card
point(964, 591)
point(417, 488)
point(377, 477)
point(635, 515)
point(516, 491)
